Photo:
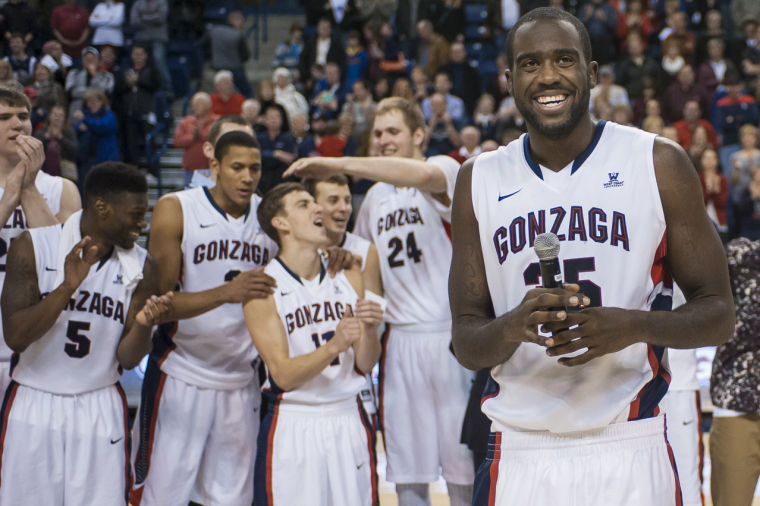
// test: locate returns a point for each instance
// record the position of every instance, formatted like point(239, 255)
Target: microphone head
point(546, 246)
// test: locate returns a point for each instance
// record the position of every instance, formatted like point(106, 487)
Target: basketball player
point(30, 198)
point(334, 196)
point(423, 390)
point(78, 306)
point(198, 420)
point(574, 410)
point(318, 338)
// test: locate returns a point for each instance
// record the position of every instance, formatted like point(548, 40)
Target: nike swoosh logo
point(688, 422)
point(114, 441)
point(209, 225)
point(285, 293)
point(360, 465)
point(502, 197)
point(50, 270)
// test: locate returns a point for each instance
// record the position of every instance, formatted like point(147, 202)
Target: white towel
point(71, 235)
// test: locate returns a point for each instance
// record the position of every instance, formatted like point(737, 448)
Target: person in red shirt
point(691, 119)
point(225, 100)
point(192, 132)
point(71, 27)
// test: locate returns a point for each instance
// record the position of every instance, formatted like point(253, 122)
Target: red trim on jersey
point(493, 470)
point(10, 397)
point(364, 419)
point(270, 450)
point(660, 272)
point(447, 228)
point(700, 445)
point(381, 381)
point(136, 495)
point(679, 498)
point(127, 447)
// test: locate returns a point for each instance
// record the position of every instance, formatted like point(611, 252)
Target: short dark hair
point(271, 205)
point(216, 126)
point(542, 13)
point(13, 96)
point(234, 138)
point(310, 183)
point(107, 179)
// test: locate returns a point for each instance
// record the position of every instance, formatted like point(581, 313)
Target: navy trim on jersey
point(221, 211)
point(105, 258)
point(598, 129)
point(343, 241)
point(322, 271)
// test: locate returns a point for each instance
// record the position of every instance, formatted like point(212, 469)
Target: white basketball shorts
point(64, 449)
point(423, 395)
point(320, 455)
point(684, 421)
point(194, 443)
point(624, 464)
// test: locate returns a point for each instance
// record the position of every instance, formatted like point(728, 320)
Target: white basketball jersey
point(78, 353)
point(605, 208)
point(310, 312)
point(682, 363)
point(356, 245)
point(50, 187)
point(214, 349)
point(412, 233)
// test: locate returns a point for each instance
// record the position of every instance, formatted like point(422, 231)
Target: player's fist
point(544, 308)
point(339, 259)
point(31, 154)
point(156, 310)
point(348, 332)
point(253, 284)
point(369, 312)
point(317, 167)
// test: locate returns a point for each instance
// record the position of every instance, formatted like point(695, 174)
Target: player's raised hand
point(315, 166)
point(598, 330)
point(348, 332)
point(157, 309)
point(369, 312)
point(339, 259)
point(253, 284)
point(31, 154)
point(542, 308)
point(77, 264)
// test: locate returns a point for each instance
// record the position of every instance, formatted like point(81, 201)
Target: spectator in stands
point(285, 94)
point(714, 189)
point(60, 144)
point(692, 116)
point(714, 29)
point(108, 61)
point(606, 94)
point(56, 60)
point(324, 47)
point(685, 39)
point(71, 27)
point(699, 143)
point(278, 149)
point(747, 209)
point(672, 59)
point(6, 74)
point(712, 71)
point(442, 130)
point(402, 87)
point(21, 62)
point(683, 89)
point(432, 48)
point(636, 20)
point(49, 91)
point(641, 104)
point(622, 114)
point(251, 112)
point(731, 111)
point(743, 10)
point(149, 18)
point(501, 15)
point(450, 21)
point(308, 144)
point(375, 12)
point(635, 67)
point(300, 131)
point(420, 84)
point(357, 59)
point(601, 22)
point(135, 97)
point(361, 107)
point(653, 124)
point(750, 54)
point(266, 99)
point(470, 144)
point(18, 17)
point(670, 132)
point(454, 105)
point(108, 18)
point(386, 57)
point(329, 94)
point(225, 100)
point(192, 132)
point(229, 51)
point(96, 129)
point(744, 162)
point(288, 52)
point(79, 80)
point(735, 385)
point(484, 117)
point(465, 82)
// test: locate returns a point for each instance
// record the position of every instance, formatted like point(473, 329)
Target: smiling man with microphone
point(578, 369)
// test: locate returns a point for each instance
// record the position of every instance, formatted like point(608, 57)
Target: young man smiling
point(573, 396)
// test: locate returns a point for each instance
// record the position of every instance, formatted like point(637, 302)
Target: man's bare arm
point(371, 275)
point(166, 248)
point(370, 314)
point(11, 194)
point(32, 155)
point(71, 202)
point(481, 339)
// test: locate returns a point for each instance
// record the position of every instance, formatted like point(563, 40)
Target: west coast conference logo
point(614, 181)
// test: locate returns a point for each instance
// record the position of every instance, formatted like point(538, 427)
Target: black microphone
point(546, 247)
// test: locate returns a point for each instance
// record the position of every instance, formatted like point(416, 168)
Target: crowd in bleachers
point(686, 69)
